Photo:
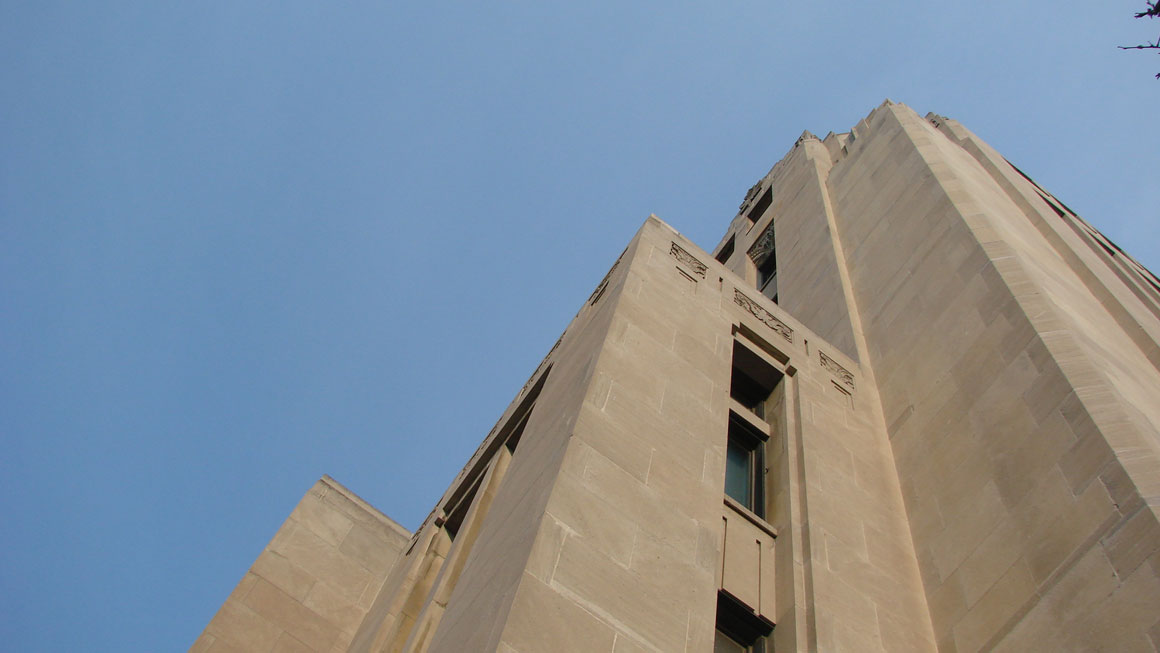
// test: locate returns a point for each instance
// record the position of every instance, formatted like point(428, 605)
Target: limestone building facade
point(909, 402)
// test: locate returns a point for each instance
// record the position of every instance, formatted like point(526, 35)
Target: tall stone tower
point(910, 402)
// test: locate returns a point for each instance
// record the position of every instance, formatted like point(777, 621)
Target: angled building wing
point(909, 402)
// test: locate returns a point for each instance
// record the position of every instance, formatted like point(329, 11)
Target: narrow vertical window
point(745, 467)
point(760, 205)
point(767, 277)
point(751, 385)
point(748, 392)
point(726, 251)
point(763, 253)
point(753, 380)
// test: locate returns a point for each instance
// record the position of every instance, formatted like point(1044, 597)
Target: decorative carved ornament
point(688, 259)
point(836, 369)
point(765, 316)
point(763, 247)
point(749, 195)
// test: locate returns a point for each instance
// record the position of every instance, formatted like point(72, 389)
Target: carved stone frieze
point(835, 368)
point(688, 259)
point(767, 318)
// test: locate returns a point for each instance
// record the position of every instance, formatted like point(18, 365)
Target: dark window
point(767, 277)
point(753, 379)
point(761, 205)
point(745, 467)
point(514, 438)
point(748, 392)
point(726, 251)
point(753, 382)
point(455, 510)
point(738, 629)
point(763, 253)
point(457, 515)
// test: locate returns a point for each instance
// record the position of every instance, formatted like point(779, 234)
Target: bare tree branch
point(1152, 11)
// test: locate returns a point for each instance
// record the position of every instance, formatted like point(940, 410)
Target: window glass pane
point(737, 473)
point(769, 287)
point(722, 643)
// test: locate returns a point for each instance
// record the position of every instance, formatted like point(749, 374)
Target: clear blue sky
point(246, 244)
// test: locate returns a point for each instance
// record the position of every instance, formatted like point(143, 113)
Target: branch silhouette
point(1152, 11)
